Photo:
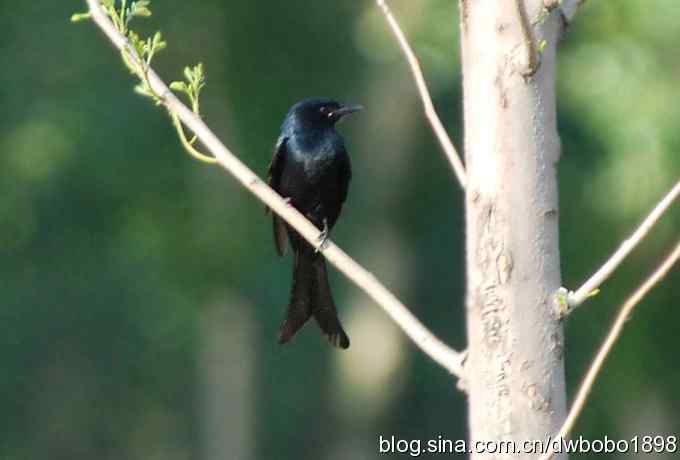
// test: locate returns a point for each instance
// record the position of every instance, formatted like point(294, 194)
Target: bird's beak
point(346, 110)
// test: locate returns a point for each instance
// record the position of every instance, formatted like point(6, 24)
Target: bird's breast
point(317, 166)
point(314, 158)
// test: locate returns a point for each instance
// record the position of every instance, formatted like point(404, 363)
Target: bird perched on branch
point(311, 168)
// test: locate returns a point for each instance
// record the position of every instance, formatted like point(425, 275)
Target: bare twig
point(533, 59)
point(430, 112)
point(569, 8)
point(574, 299)
point(605, 349)
point(431, 345)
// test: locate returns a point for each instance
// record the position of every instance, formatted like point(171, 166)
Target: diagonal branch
point(574, 299)
point(430, 112)
point(605, 349)
point(448, 358)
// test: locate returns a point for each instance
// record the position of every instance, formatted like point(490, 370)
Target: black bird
point(311, 168)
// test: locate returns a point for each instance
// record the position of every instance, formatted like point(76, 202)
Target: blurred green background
point(140, 294)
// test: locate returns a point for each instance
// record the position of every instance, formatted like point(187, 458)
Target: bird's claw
point(323, 238)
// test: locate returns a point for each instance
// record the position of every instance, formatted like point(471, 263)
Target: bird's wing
point(274, 173)
point(345, 173)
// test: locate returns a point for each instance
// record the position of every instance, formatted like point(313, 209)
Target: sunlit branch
point(605, 349)
point(576, 298)
point(533, 60)
point(430, 112)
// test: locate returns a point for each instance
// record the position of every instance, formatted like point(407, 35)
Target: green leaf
point(108, 3)
point(143, 89)
point(77, 17)
point(140, 11)
point(179, 86)
point(137, 43)
point(158, 42)
point(195, 75)
point(188, 74)
point(593, 293)
point(147, 46)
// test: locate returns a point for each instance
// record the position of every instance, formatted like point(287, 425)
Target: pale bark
point(515, 368)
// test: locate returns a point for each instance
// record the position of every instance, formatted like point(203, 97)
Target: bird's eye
point(326, 110)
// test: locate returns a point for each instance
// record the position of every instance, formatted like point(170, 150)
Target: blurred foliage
point(114, 244)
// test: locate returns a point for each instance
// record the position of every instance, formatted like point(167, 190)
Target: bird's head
point(319, 113)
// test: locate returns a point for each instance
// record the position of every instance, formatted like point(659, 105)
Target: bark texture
point(515, 365)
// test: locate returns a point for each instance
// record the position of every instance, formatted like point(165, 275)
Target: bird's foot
point(323, 238)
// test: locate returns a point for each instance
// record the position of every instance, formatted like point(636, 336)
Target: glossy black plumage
point(311, 168)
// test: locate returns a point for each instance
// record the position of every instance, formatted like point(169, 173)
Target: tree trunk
point(515, 363)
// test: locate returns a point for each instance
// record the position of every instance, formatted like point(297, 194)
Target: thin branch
point(189, 144)
point(569, 8)
point(574, 299)
point(605, 349)
point(533, 59)
point(428, 343)
point(430, 112)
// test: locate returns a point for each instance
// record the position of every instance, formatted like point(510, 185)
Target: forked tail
point(311, 296)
